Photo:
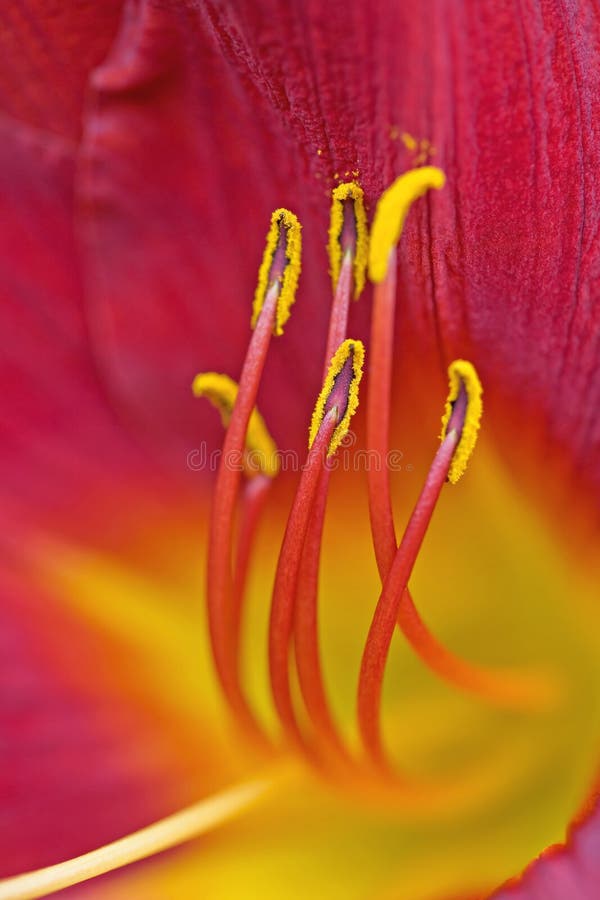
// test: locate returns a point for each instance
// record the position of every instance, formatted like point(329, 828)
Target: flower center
point(307, 723)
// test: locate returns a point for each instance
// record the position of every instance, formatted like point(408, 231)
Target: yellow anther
point(391, 212)
point(347, 359)
point(348, 191)
point(462, 374)
point(261, 450)
point(284, 235)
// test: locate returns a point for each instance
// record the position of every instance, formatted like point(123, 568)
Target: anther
point(261, 450)
point(463, 414)
point(339, 392)
point(280, 268)
point(348, 245)
point(348, 234)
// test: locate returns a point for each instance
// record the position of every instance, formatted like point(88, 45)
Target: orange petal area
point(492, 583)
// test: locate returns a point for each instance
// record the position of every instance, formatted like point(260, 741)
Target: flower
point(144, 150)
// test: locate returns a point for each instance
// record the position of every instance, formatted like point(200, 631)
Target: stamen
point(461, 422)
point(504, 687)
point(348, 233)
point(305, 622)
point(269, 316)
point(388, 608)
point(280, 266)
point(336, 404)
point(386, 613)
point(222, 391)
point(190, 823)
point(391, 212)
point(339, 392)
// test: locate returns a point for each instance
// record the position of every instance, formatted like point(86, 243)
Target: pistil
point(378, 418)
point(199, 819)
point(391, 213)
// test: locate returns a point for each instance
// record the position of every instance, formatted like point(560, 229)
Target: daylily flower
point(145, 146)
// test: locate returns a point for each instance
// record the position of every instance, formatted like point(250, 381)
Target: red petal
point(176, 199)
point(569, 872)
point(48, 48)
point(56, 429)
point(205, 119)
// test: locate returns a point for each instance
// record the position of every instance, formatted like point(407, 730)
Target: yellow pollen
point(348, 191)
point(339, 359)
point(462, 373)
point(281, 218)
point(391, 212)
point(261, 450)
